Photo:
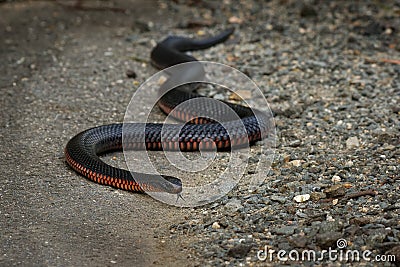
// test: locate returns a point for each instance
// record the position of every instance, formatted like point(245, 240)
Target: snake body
point(83, 150)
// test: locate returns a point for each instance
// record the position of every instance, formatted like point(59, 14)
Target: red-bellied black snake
point(83, 150)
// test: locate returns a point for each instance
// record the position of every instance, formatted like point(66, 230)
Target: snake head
point(171, 184)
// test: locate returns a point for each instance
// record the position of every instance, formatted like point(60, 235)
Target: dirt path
point(63, 70)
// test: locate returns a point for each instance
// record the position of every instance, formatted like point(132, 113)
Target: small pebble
point(285, 230)
point(316, 196)
point(301, 198)
point(235, 20)
point(352, 142)
point(278, 199)
point(329, 217)
point(335, 191)
point(360, 221)
point(364, 209)
point(216, 225)
point(336, 179)
point(347, 185)
point(219, 96)
point(131, 74)
point(389, 147)
point(296, 162)
point(162, 80)
point(349, 164)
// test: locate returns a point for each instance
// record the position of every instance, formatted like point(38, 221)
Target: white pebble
point(216, 225)
point(301, 198)
point(352, 142)
point(296, 162)
point(162, 80)
point(364, 209)
point(336, 179)
point(349, 164)
point(329, 218)
point(219, 97)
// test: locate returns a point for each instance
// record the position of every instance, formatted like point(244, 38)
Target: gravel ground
point(330, 72)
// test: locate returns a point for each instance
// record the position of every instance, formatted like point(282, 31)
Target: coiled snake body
point(83, 150)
